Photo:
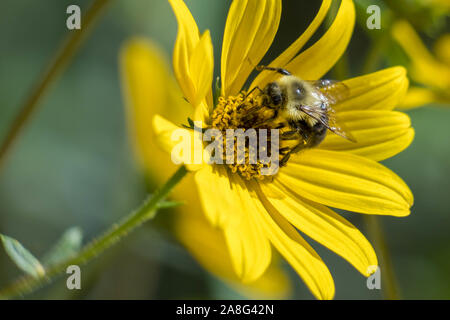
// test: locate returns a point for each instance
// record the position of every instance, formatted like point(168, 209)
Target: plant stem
point(146, 212)
point(68, 48)
point(389, 283)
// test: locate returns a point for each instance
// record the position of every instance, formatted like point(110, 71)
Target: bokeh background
point(73, 165)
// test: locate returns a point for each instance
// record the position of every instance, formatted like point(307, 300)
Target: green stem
point(146, 212)
point(389, 283)
point(56, 66)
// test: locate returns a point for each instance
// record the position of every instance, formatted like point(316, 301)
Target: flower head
point(258, 214)
point(150, 89)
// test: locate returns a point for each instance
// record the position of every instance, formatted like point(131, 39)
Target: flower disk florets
point(248, 112)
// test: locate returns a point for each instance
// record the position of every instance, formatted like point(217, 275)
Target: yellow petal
point(318, 59)
point(187, 40)
point(305, 261)
point(207, 244)
point(144, 78)
point(425, 68)
point(346, 181)
point(418, 97)
point(188, 52)
point(379, 134)
point(410, 40)
point(217, 207)
point(226, 201)
point(283, 59)
point(148, 89)
point(325, 226)
point(202, 67)
point(383, 89)
point(249, 31)
point(442, 49)
point(259, 244)
point(183, 145)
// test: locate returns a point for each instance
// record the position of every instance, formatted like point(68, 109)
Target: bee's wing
point(339, 127)
point(335, 91)
point(328, 120)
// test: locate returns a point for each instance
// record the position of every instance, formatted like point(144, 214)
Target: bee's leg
point(275, 114)
point(298, 147)
point(289, 135)
point(284, 151)
point(268, 120)
point(251, 91)
point(307, 137)
point(285, 159)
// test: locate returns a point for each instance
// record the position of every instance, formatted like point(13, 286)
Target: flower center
point(242, 111)
point(250, 113)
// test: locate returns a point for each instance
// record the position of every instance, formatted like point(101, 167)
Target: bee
point(303, 110)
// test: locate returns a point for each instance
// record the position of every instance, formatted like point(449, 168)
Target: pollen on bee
point(248, 113)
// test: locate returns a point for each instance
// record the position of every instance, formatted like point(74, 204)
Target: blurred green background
point(73, 164)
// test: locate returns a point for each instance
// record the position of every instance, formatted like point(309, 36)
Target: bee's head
point(275, 93)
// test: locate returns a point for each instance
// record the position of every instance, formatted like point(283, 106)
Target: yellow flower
point(149, 89)
point(256, 214)
point(433, 73)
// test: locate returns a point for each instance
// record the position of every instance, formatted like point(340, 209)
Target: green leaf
point(22, 257)
point(144, 213)
point(67, 246)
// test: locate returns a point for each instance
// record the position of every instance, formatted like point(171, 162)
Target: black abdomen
point(313, 135)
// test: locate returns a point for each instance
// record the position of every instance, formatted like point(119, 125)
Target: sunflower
point(258, 214)
point(431, 72)
point(149, 88)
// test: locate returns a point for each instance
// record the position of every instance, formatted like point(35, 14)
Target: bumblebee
point(303, 110)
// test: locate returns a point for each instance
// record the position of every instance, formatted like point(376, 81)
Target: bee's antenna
point(279, 70)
